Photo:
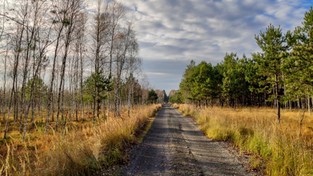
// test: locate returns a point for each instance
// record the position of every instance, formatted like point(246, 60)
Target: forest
point(260, 105)
point(61, 60)
point(68, 70)
point(279, 75)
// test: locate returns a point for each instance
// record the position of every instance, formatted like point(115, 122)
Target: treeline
point(61, 61)
point(281, 75)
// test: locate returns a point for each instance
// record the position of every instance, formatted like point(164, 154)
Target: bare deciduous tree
point(71, 10)
point(100, 36)
point(79, 49)
point(47, 44)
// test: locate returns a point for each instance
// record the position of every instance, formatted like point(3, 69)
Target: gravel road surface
point(175, 146)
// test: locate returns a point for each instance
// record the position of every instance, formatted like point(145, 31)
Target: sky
point(171, 33)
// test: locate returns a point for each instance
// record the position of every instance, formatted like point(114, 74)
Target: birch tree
point(79, 49)
point(100, 42)
point(17, 45)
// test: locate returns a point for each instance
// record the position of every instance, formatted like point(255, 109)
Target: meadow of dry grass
point(275, 149)
point(79, 151)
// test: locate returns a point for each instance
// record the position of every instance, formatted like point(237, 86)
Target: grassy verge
point(80, 152)
point(277, 149)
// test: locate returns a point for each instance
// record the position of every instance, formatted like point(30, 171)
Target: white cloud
point(172, 32)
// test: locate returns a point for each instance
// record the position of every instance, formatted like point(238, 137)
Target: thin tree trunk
point(277, 98)
point(25, 74)
point(129, 99)
point(94, 109)
point(81, 84)
point(14, 94)
point(309, 104)
point(50, 92)
point(4, 84)
point(63, 67)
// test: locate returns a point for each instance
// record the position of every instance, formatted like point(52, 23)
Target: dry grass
point(80, 151)
point(277, 149)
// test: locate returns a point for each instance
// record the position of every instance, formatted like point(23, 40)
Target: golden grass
point(80, 151)
point(282, 149)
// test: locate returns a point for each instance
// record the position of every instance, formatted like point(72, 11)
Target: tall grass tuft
point(278, 149)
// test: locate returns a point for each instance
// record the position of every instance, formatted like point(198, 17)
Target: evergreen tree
point(152, 96)
point(95, 90)
point(187, 84)
point(270, 61)
point(299, 66)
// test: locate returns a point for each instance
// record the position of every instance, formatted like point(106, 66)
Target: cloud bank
point(172, 32)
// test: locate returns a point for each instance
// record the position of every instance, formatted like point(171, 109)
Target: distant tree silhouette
point(152, 96)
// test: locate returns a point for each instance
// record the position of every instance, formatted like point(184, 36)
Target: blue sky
point(173, 32)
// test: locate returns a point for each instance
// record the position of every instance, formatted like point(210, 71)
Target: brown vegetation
point(80, 149)
point(276, 149)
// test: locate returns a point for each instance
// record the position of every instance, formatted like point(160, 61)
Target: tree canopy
point(280, 74)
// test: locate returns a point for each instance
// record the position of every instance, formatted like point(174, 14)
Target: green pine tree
point(270, 61)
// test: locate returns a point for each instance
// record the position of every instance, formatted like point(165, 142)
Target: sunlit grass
point(283, 149)
point(81, 150)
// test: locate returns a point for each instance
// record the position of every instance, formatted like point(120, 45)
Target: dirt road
point(175, 146)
